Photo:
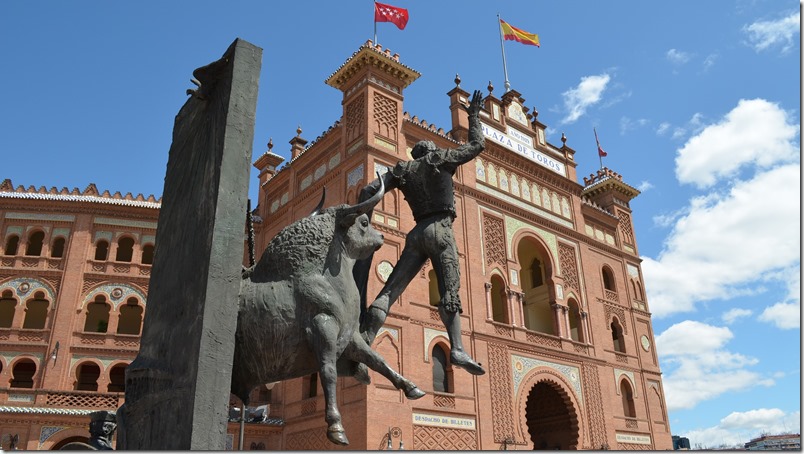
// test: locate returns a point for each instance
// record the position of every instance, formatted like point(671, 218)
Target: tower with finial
point(267, 163)
point(372, 81)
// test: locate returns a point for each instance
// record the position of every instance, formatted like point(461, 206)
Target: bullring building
point(553, 295)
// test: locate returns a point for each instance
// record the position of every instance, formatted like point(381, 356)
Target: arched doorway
point(551, 418)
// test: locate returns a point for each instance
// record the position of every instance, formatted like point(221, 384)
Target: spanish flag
point(511, 33)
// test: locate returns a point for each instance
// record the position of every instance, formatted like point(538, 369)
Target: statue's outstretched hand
point(474, 106)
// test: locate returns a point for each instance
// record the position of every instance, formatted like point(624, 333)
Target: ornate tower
point(372, 81)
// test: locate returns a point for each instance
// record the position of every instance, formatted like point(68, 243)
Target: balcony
point(32, 263)
point(28, 336)
point(118, 268)
point(51, 398)
point(110, 340)
point(611, 295)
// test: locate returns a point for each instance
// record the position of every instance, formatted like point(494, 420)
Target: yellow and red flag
point(511, 33)
point(387, 13)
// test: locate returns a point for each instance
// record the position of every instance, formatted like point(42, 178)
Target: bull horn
point(367, 205)
point(320, 204)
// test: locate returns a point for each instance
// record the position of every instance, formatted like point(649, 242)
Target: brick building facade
point(553, 299)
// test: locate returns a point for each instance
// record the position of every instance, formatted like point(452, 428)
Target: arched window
point(442, 373)
point(117, 379)
point(148, 254)
point(608, 279)
point(617, 336)
point(11, 245)
point(8, 306)
point(629, 410)
point(499, 302)
point(57, 250)
point(22, 374)
point(125, 249)
point(102, 250)
point(36, 312)
point(34, 246)
point(130, 319)
point(97, 316)
point(435, 296)
point(637, 290)
point(87, 377)
point(576, 327)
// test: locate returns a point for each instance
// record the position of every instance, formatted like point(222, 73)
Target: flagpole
point(502, 47)
point(597, 141)
point(375, 23)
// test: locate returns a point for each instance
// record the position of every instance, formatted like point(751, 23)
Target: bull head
point(347, 216)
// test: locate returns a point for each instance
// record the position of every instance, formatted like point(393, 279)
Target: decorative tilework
point(306, 182)
point(514, 277)
point(105, 360)
point(633, 271)
point(125, 223)
point(148, 239)
point(63, 231)
point(274, 205)
point(284, 199)
point(354, 176)
point(24, 287)
point(480, 169)
point(117, 293)
point(526, 207)
point(9, 356)
point(384, 270)
point(393, 332)
point(229, 442)
point(382, 169)
point(15, 229)
point(618, 373)
point(320, 171)
point(334, 161)
point(513, 226)
point(102, 235)
point(41, 217)
point(429, 335)
point(48, 431)
point(521, 366)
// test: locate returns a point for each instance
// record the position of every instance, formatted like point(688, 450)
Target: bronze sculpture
point(426, 183)
point(300, 308)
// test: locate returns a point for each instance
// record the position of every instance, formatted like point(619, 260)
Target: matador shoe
point(464, 361)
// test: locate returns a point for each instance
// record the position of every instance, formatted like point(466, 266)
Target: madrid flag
point(387, 13)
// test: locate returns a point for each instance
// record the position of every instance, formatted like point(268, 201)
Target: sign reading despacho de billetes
point(514, 143)
point(423, 419)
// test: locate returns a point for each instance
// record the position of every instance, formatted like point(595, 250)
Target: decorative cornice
point(370, 54)
point(90, 194)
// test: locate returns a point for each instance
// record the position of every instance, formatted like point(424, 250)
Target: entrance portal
point(551, 418)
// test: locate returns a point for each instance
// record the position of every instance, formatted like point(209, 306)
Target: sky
point(696, 103)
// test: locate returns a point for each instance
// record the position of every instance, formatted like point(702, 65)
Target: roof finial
point(490, 87)
point(298, 131)
point(270, 143)
point(457, 81)
point(563, 139)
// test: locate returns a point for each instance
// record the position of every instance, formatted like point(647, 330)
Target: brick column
point(557, 319)
point(489, 310)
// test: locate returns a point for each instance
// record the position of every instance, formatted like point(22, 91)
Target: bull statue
point(300, 308)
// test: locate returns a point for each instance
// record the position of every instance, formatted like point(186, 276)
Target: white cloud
point(728, 244)
point(644, 186)
point(765, 34)
point(677, 57)
point(732, 315)
point(697, 367)
point(588, 92)
point(663, 128)
point(628, 124)
point(709, 61)
point(755, 132)
point(786, 314)
point(740, 427)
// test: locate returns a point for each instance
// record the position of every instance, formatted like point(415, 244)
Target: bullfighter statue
point(426, 183)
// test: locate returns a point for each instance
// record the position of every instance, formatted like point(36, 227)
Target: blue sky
point(696, 103)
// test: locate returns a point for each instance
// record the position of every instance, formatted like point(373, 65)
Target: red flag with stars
point(387, 13)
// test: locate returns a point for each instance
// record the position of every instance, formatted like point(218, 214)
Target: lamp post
point(394, 432)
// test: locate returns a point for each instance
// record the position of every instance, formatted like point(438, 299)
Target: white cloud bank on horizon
point(697, 367)
point(743, 234)
point(588, 92)
point(740, 427)
point(766, 34)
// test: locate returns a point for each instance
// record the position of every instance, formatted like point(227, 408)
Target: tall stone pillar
point(177, 389)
